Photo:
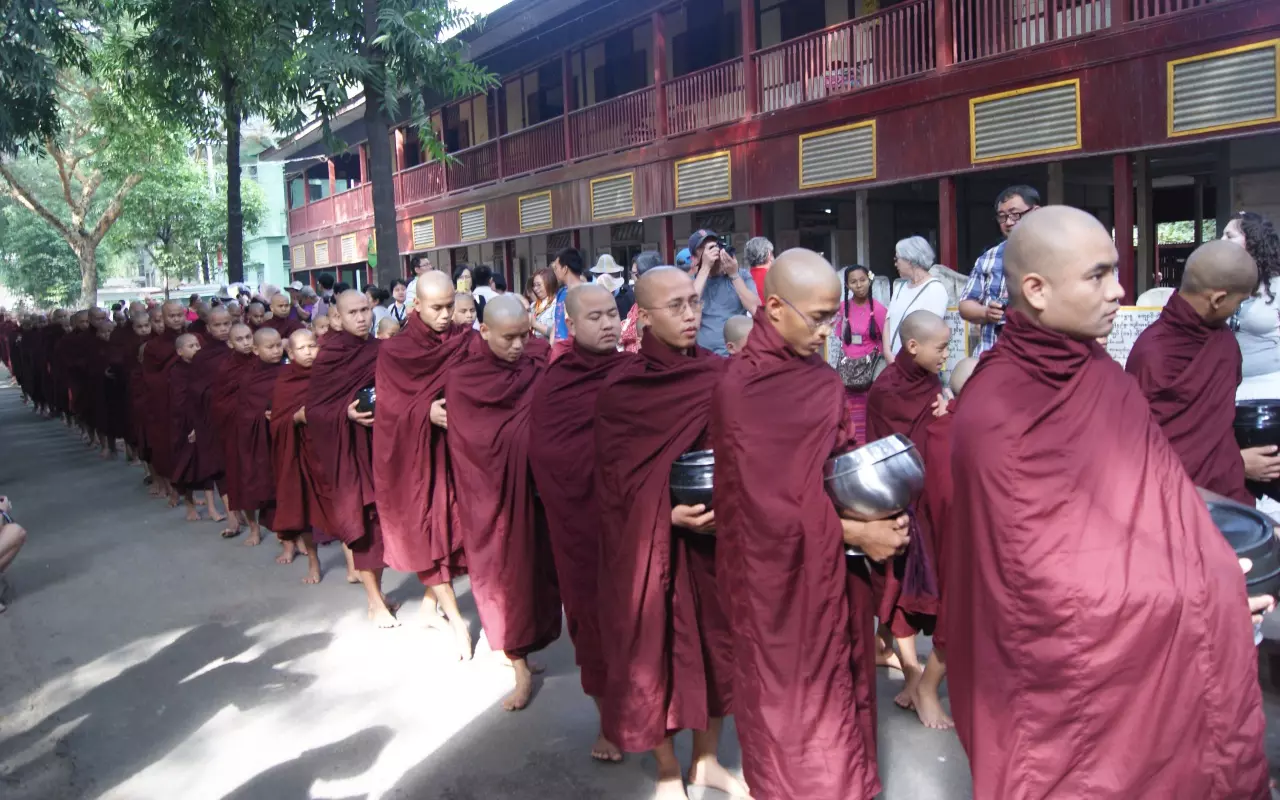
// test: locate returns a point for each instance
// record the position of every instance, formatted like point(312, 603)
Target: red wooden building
point(839, 125)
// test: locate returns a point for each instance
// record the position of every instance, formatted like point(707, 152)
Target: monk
point(143, 333)
point(68, 364)
point(158, 356)
point(464, 309)
point(255, 315)
point(1099, 641)
point(513, 577)
point(222, 403)
point(122, 355)
point(200, 325)
point(256, 487)
point(102, 421)
point(280, 321)
point(207, 366)
point(804, 675)
point(298, 506)
point(320, 325)
point(903, 400)
point(341, 439)
point(235, 310)
point(192, 470)
point(667, 652)
point(562, 454)
point(736, 330)
point(387, 328)
point(412, 475)
point(1188, 365)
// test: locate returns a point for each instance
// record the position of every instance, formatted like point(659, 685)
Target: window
point(285, 257)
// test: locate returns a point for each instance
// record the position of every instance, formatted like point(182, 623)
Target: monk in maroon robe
point(222, 399)
point(667, 650)
point(341, 438)
point(412, 477)
point(563, 456)
point(1188, 365)
point(158, 356)
point(138, 397)
point(1099, 640)
point(200, 325)
point(513, 577)
point(903, 400)
point(256, 486)
point(298, 500)
point(214, 352)
point(69, 364)
point(255, 315)
point(191, 473)
point(122, 356)
point(279, 321)
point(804, 676)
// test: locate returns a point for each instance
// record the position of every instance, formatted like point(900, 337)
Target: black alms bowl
point(1257, 424)
point(366, 399)
point(1251, 534)
point(693, 477)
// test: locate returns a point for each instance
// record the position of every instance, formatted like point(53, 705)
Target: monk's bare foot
point(105, 454)
point(254, 540)
point(462, 638)
point(906, 697)
point(199, 501)
point(193, 514)
point(173, 500)
point(153, 490)
point(709, 772)
point(383, 617)
point(287, 551)
point(523, 693)
point(929, 709)
point(886, 657)
point(352, 577)
point(313, 573)
point(535, 667)
point(670, 787)
point(605, 750)
point(215, 516)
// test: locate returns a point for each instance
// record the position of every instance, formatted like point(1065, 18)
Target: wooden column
point(399, 154)
point(863, 228)
point(333, 178)
point(1146, 263)
point(1057, 184)
point(1199, 211)
point(364, 163)
point(569, 92)
point(660, 73)
point(306, 188)
point(668, 240)
point(1121, 12)
point(749, 82)
point(1122, 216)
point(757, 219)
point(947, 225)
point(495, 119)
point(943, 35)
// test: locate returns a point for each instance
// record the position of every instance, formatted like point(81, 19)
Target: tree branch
point(28, 201)
point(112, 213)
point(87, 190)
point(56, 154)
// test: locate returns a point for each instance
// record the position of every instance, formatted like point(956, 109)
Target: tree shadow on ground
point(292, 780)
point(126, 723)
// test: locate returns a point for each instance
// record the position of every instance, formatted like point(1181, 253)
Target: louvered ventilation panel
point(839, 155)
point(472, 222)
point(535, 212)
point(424, 233)
point(322, 253)
point(349, 248)
point(613, 196)
point(703, 179)
point(299, 259)
point(1230, 89)
point(1027, 122)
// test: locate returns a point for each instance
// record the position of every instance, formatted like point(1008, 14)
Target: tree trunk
point(377, 128)
point(235, 213)
point(87, 255)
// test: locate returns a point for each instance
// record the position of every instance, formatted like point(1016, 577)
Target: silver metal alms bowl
point(876, 481)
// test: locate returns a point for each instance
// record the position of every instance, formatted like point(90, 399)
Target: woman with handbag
point(860, 321)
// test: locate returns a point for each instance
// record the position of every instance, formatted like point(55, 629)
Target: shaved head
point(505, 309)
point(798, 271)
point(137, 307)
point(591, 314)
point(921, 325)
point(185, 339)
point(506, 327)
point(1220, 265)
point(1060, 270)
point(434, 300)
point(670, 306)
point(268, 346)
point(241, 338)
point(736, 330)
point(927, 338)
point(187, 345)
point(303, 347)
point(575, 297)
point(648, 285)
point(354, 314)
point(174, 315)
point(802, 295)
point(218, 322)
point(960, 374)
point(280, 305)
point(265, 336)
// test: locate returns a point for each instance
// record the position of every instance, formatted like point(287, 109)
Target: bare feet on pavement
point(709, 772)
point(606, 751)
point(523, 693)
point(906, 697)
point(287, 551)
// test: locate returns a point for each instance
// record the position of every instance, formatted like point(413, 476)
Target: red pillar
point(660, 72)
point(749, 76)
point(364, 163)
point(757, 219)
point(577, 239)
point(1120, 14)
point(333, 177)
point(944, 49)
point(569, 93)
point(399, 156)
point(668, 240)
point(1122, 217)
point(947, 226)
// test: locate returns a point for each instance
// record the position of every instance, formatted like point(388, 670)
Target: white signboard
point(959, 347)
point(1130, 323)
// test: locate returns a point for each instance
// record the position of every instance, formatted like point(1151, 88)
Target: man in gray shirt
point(727, 289)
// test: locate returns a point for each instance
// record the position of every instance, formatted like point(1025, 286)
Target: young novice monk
point(387, 328)
point(736, 330)
point(320, 325)
point(297, 493)
point(188, 472)
point(257, 494)
point(464, 309)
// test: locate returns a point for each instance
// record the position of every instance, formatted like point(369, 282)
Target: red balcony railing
point(710, 96)
point(474, 166)
point(419, 182)
point(533, 148)
point(983, 28)
point(353, 204)
point(616, 124)
point(886, 46)
point(1145, 9)
point(298, 222)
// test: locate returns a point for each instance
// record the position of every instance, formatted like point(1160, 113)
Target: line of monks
point(1093, 620)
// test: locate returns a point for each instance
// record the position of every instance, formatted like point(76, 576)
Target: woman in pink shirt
point(859, 328)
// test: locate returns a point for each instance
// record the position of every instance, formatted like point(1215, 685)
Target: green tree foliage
point(35, 262)
point(39, 39)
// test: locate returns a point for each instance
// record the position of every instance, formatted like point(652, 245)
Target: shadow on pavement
point(293, 779)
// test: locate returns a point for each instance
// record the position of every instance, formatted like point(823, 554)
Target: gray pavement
point(143, 657)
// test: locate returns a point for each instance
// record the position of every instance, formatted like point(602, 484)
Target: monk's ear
point(484, 331)
point(913, 347)
point(1218, 299)
point(773, 307)
point(1035, 290)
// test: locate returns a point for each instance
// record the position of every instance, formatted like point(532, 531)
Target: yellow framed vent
point(321, 252)
point(423, 232)
point(838, 155)
point(1027, 122)
point(613, 196)
point(347, 247)
point(535, 212)
point(1225, 89)
point(472, 223)
point(299, 258)
point(704, 179)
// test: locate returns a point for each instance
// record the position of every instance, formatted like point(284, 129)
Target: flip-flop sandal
point(230, 534)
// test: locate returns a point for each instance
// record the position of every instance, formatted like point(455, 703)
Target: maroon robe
point(122, 357)
point(95, 384)
point(190, 471)
point(256, 485)
point(208, 364)
point(138, 406)
point(344, 466)
point(802, 704)
point(158, 357)
point(1189, 373)
point(299, 506)
point(563, 456)
point(412, 476)
point(934, 509)
point(668, 652)
point(68, 365)
point(200, 328)
point(905, 587)
point(513, 577)
point(222, 397)
point(1100, 643)
point(284, 326)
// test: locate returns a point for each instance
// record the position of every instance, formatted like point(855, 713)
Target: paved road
point(143, 657)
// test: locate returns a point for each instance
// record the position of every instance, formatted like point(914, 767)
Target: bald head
point(303, 346)
point(241, 338)
point(174, 315)
point(185, 339)
point(736, 330)
point(670, 306)
point(505, 327)
point(353, 313)
point(187, 345)
point(922, 325)
point(960, 374)
point(433, 300)
point(505, 309)
point(281, 305)
point(268, 346)
point(137, 307)
point(659, 281)
point(433, 285)
point(578, 296)
point(802, 295)
point(799, 272)
point(218, 321)
point(1220, 265)
point(927, 338)
point(591, 313)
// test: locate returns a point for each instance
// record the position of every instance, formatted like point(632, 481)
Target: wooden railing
point(353, 204)
point(474, 166)
point(1145, 9)
point(886, 46)
point(983, 28)
point(420, 182)
point(616, 124)
point(298, 222)
point(533, 148)
point(711, 96)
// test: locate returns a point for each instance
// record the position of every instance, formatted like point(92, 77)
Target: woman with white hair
point(913, 257)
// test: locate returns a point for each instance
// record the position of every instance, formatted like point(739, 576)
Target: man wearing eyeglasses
point(727, 290)
point(985, 295)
